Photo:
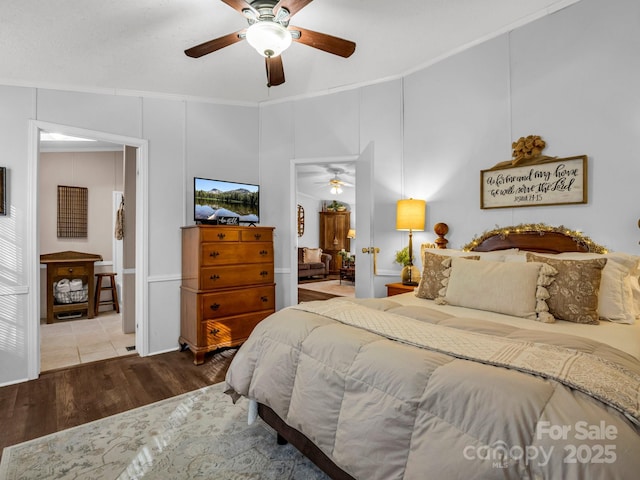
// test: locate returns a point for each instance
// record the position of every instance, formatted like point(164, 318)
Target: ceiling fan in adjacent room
point(270, 34)
point(335, 184)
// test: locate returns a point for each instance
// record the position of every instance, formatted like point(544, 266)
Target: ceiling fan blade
point(322, 41)
point(240, 5)
point(275, 71)
point(293, 6)
point(213, 45)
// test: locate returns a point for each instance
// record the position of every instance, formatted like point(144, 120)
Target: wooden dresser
point(227, 285)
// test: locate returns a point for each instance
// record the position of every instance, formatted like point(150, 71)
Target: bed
point(516, 357)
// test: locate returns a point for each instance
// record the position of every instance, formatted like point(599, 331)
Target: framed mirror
point(300, 220)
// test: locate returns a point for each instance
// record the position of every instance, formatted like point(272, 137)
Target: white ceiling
point(138, 46)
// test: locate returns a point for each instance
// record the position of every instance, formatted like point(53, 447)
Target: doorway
point(137, 290)
point(71, 337)
point(312, 178)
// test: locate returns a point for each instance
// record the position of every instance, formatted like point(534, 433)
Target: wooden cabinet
point(227, 285)
point(70, 265)
point(334, 227)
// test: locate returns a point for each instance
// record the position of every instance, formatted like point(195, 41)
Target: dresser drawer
point(256, 235)
point(219, 234)
point(236, 275)
point(235, 302)
point(70, 271)
point(231, 331)
point(236, 253)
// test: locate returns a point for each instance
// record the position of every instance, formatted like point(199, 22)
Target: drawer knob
point(215, 331)
point(257, 236)
point(214, 254)
point(71, 270)
point(264, 273)
point(264, 298)
point(214, 277)
point(221, 235)
point(215, 306)
point(264, 252)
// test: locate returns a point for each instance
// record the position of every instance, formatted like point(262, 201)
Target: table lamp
point(410, 215)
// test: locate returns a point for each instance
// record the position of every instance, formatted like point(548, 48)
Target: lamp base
point(410, 275)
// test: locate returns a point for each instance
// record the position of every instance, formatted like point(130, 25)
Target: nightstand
point(398, 288)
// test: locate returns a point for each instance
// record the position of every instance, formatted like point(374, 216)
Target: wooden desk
point(69, 265)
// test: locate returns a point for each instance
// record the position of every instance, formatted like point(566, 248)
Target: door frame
point(32, 235)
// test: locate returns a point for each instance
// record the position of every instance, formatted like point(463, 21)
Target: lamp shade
point(269, 39)
point(351, 233)
point(410, 214)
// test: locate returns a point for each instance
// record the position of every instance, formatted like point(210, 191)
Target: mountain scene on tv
point(225, 203)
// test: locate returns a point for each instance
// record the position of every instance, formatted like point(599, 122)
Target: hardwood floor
point(64, 398)
point(72, 396)
point(309, 295)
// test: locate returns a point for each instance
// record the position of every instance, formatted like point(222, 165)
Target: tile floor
point(71, 342)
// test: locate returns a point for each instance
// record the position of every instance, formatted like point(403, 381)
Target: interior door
point(364, 224)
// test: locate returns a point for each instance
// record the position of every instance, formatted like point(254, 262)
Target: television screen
point(220, 202)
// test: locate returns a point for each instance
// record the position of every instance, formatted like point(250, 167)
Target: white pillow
point(517, 289)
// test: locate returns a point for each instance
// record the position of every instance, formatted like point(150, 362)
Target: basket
point(77, 296)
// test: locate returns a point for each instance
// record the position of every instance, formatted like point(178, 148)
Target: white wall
point(312, 206)
point(571, 77)
point(577, 86)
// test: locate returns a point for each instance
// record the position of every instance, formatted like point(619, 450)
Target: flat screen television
point(220, 202)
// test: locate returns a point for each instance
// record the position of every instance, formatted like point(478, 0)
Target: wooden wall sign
point(550, 181)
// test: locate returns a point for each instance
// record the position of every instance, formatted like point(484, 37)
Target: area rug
point(197, 435)
point(333, 287)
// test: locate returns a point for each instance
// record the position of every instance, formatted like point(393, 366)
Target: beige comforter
point(382, 409)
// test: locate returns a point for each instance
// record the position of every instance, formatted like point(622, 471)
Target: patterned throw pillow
point(312, 255)
point(573, 296)
point(432, 274)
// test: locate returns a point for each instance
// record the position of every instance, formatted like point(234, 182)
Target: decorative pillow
point(432, 274)
point(574, 293)
point(312, 255)
point(518, 289)
point(616, 297)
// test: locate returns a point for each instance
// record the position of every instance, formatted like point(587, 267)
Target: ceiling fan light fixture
point(269, 38)
point(336, 190)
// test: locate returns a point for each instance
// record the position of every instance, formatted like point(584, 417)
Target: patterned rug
point(334, 287)
point(200, 434)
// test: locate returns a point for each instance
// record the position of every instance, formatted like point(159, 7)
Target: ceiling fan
point(270, 34)
point(335, 184)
